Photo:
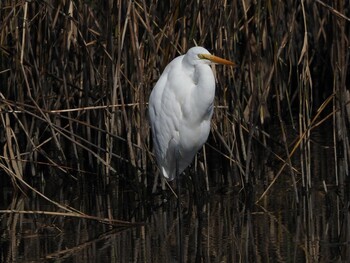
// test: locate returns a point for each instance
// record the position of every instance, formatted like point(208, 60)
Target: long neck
point(203, 94)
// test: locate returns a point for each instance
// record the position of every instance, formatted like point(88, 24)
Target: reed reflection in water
point(229, 228)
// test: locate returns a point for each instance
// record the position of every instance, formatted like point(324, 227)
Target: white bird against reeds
point(180, 109)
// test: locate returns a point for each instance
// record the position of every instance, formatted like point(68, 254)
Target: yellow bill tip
point(216, 59)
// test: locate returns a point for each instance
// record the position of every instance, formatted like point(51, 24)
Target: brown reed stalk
point(80, 74)
point(75, 78)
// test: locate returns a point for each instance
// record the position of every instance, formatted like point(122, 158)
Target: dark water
point(228, 226)
point(227, 229)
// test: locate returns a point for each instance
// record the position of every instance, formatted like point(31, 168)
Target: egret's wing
point(165, 112)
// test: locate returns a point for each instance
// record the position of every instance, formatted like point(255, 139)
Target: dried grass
point(75, 80)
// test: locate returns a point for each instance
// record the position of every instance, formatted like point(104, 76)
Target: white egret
point(180, 109)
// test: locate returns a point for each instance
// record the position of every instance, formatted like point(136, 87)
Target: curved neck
point(202, 96)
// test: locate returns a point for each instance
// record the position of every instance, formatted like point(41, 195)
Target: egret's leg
point(178, 182)
point(199, 204)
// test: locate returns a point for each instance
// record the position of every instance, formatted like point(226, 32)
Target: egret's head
point(199, 55)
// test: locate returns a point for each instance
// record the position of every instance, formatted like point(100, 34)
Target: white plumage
point(180, 109)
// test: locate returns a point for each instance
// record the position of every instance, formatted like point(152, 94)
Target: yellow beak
point(216, 59)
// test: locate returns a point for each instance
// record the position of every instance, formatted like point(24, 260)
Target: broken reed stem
point(297, 144)
point(113, 222)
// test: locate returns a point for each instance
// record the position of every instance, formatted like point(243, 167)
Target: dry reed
point(75, 79)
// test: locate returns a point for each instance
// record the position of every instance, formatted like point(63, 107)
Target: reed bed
point(75, 79)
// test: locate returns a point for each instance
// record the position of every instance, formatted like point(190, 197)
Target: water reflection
point(227, 229)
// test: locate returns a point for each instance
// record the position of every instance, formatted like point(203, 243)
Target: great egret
point(180, 109)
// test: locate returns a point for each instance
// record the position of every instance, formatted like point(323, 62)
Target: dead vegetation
point(76, 76)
